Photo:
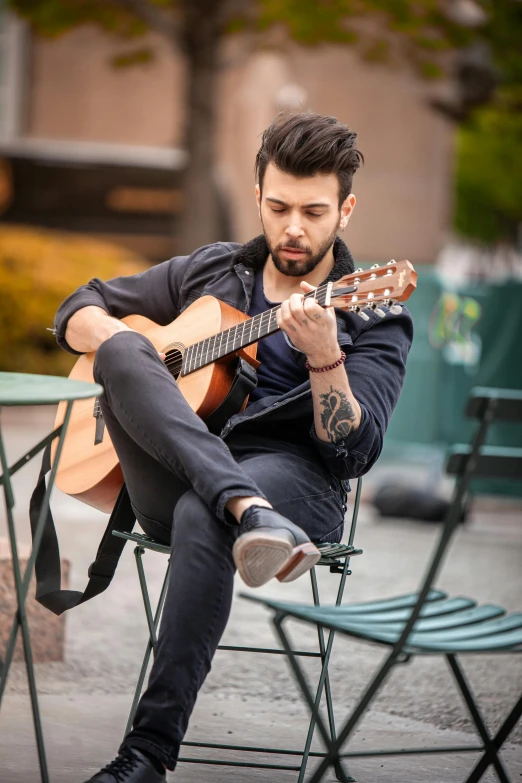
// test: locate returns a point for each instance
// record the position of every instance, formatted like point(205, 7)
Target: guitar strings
point(175, 363)
point(175, 366)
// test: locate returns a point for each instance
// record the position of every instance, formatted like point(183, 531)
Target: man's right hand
point(90, 326)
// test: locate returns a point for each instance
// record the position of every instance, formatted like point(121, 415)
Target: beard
point(299, 267)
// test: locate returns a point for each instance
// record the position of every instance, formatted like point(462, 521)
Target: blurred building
point(89, 147)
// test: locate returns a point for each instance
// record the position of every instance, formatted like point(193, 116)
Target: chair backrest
point(466, 462)
point(479, 461)
point(490, 462)
point(507, 403)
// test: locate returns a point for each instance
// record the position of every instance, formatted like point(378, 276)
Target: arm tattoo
point(338, 416)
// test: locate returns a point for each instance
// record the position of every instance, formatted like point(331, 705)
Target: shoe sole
point(303, 558)
point(259, 557)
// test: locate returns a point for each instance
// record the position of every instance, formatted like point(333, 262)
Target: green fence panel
point(465, 336)
point(416, 418)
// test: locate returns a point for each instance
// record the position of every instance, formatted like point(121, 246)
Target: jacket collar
point(253, 255)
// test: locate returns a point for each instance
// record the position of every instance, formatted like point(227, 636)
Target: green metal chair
point(336, 557)
point(428, 622)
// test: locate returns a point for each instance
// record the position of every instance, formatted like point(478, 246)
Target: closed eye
point(280, 210)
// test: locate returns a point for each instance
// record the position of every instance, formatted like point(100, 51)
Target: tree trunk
point(202, 213)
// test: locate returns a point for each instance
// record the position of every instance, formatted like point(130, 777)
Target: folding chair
point(427, 622)
point(334, 556)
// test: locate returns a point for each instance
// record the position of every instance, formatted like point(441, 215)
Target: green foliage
point(488, 204)
point(424, 31)
point(140, 56)
point(420, 24)
point(489, 146)
point(309, 22)
point(503, 33)
point(38, 269)
point(377, 52)
point(52, 18)
point(430, 70)
point(422, 28)
point(488, 181)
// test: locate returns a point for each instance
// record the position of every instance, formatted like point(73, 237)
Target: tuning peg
point(379, 312)
point(374, 266)
point(390, 262)
point(396, 309)
point(359, 270)
point(363, 315)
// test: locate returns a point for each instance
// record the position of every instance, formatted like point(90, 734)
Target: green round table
point(19, 389)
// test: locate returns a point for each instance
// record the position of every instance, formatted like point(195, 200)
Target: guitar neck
point(231, 340)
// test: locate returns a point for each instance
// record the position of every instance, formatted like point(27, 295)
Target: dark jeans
point(179, 478)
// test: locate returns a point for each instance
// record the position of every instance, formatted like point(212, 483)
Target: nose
point(294, 230)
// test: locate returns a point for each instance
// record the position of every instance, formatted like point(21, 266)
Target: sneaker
point(270, 545)
point(130, 766)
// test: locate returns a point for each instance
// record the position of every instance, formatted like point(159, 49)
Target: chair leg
point(489, 745)
point(496, 744)
point(324, 679)
point(153, 622)
point(333, 747)
point(307, 693)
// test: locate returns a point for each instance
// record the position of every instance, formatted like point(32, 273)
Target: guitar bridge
point(100, 424)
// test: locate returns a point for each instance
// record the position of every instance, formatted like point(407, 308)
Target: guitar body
point(91, 472)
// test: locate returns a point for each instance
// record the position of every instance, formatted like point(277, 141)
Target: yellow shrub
point(38, 269)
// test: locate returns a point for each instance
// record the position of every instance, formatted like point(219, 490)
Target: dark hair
point(306, 144)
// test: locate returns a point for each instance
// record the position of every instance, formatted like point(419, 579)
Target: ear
point(347, 208)
point(258, 198)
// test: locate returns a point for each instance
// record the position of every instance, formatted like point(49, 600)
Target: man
point(275, 482)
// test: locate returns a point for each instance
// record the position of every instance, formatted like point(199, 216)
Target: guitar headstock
point(380, 285)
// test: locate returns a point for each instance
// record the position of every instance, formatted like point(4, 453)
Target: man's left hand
point(311, 328)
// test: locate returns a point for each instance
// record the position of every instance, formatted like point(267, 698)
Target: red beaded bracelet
point(329, 367)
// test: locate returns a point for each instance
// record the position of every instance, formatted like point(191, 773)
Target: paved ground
point(82, 732)
point(85, 698)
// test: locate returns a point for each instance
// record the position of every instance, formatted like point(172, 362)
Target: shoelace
point(124, 763)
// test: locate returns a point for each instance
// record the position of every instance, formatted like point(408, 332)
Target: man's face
point(300, 218)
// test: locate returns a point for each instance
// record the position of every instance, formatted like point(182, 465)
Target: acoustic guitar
point(200, 349)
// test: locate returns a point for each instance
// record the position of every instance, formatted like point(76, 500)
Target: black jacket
point(376, 350)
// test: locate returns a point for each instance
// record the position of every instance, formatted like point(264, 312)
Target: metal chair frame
point(25, 389)
point(334, 556)
point(406, 639)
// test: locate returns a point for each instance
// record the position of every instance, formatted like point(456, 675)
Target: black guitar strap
point(47, 566)
point(100, 573)
point(244, 381)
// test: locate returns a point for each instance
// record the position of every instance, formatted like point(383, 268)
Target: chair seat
point(447, 625)
point(330, 553)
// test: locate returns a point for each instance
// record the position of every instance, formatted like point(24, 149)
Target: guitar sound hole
point(173, 360)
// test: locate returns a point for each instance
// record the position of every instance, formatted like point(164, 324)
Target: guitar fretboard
point(213, 348)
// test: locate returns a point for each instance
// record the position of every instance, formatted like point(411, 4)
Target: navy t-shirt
point(279, 371)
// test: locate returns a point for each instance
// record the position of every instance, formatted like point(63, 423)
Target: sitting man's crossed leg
point(217, 505)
